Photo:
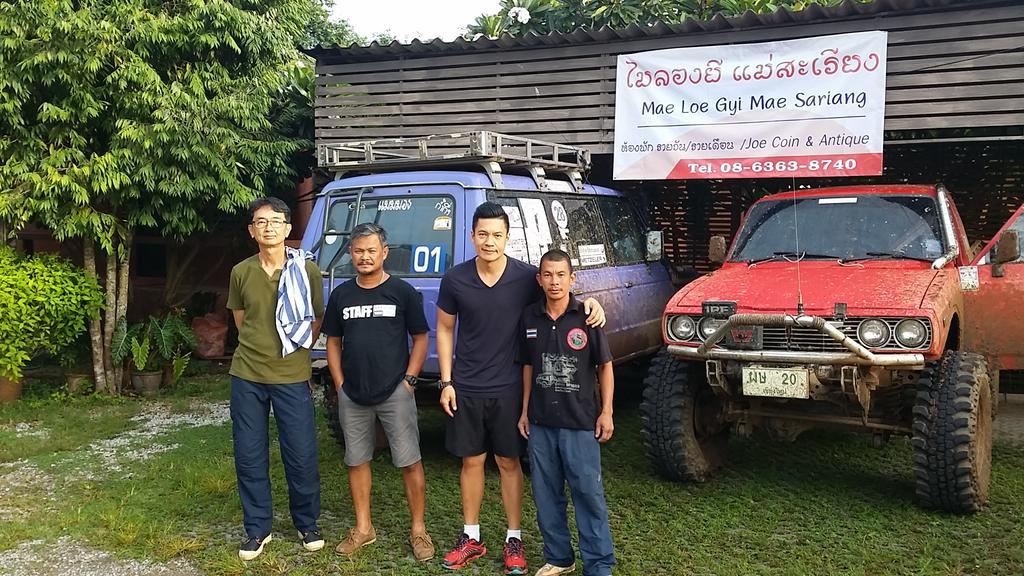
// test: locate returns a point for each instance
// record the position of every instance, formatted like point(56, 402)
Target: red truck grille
point(811, 340)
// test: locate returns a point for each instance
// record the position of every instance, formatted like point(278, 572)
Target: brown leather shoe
point(356, 540)
point(422, 546)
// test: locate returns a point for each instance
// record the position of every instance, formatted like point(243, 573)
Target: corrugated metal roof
point(848, 9)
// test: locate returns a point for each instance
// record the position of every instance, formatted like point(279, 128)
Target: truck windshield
point(842, 228)
point(419, 229)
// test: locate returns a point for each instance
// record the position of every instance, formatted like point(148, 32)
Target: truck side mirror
point(716, 249)
point(1008, 248)
point(654, 245)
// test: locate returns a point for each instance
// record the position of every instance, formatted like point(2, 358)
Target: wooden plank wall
point(961, 67)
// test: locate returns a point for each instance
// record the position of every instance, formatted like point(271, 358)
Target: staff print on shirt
point(369, 311)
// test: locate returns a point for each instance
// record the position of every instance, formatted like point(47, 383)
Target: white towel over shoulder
point(295, 312)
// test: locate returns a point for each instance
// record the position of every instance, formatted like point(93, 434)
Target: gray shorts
point(397, 415)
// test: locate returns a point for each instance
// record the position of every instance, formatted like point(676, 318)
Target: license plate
point(775, 382)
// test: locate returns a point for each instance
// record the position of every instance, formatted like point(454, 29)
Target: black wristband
point(444, 384)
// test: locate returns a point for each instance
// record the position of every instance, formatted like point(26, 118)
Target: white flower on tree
point(519, 14)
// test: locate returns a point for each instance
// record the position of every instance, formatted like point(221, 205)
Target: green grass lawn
point(826, 504)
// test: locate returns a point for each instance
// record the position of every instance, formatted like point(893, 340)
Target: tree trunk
point(122, 292)
point(110, 317)
point(95, 331)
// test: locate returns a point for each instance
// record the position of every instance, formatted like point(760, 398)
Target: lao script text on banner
point(798, 108)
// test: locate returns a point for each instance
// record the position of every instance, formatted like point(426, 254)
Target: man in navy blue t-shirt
point(487, 295)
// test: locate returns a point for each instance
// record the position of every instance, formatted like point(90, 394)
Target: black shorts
point(485, 424)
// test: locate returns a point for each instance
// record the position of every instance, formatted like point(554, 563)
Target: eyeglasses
point(264, 223)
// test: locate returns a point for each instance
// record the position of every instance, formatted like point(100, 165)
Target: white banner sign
point(799, 108)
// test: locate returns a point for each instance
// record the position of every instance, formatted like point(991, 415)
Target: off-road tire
point(333, 419)
point(323, 380)
point(993, 379)
point(952, 438)
point(676, 394)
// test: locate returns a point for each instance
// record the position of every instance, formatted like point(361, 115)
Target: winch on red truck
point(860, 307)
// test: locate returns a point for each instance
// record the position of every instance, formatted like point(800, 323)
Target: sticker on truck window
point(428, 259)
point(444, 206)
point(591, 254)
point(561, 218)
point(515, 217)
point(443, 223)
point(396, 205)
point(535, 223)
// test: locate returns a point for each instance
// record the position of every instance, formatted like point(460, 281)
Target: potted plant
point(174, 341)
point(76, 360)
point(159, 351)
point(45, 302)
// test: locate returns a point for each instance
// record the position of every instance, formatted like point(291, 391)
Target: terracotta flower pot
point(10, 390)
point(147, 383)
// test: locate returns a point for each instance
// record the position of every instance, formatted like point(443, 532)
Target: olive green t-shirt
point(258, 356)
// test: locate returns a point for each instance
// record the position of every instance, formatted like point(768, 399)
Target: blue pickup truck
point(425, 201)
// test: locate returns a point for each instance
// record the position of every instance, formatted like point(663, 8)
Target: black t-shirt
point(564, 354)
point(485, 348)
point(374, 324)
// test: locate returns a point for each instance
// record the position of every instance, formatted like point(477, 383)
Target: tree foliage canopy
point(544, 16)
point(140, 113)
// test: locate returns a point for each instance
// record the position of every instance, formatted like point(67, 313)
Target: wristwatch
point(444, 384)
point(411, 380)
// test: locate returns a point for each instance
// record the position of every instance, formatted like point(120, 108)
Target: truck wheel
point(331, 407)
point(952, 438)
point(684, 432)
point(380, 441)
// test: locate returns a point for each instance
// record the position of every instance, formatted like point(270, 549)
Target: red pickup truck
point(859, 307)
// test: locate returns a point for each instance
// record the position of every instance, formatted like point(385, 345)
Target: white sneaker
point(312, 540)
point(252, 547)
point(552, 570)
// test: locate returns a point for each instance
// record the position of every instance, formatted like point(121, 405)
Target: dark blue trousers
point(296, 432)
point(558, 456)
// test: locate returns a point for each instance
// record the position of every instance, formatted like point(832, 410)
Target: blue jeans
point(296, 432)
point(558, 455)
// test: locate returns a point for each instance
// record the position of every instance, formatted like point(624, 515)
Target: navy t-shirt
point(374, 324)
point(564, 353)
point(485, 347)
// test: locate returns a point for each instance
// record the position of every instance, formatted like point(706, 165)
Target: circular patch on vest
point(577, 339)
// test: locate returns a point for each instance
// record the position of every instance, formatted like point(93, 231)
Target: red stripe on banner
point(778, 167)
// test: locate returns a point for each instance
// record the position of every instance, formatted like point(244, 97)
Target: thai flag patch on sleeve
point(531, 332)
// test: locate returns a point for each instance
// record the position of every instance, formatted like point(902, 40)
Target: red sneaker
point(515, 557)
point(466, 550)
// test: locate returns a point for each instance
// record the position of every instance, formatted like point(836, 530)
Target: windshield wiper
point(885, 256)
point(788, 254)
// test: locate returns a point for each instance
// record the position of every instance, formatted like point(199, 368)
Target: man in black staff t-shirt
point(367, 323)
point(562, 360)
point(486, 295)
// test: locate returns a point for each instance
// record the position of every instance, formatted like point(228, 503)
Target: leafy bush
point(45, 303)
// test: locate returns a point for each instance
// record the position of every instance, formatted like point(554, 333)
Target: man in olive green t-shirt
point(271, 368)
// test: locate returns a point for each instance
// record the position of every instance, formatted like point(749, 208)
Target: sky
point(409, 19)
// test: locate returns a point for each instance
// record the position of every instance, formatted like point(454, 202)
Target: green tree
point(543, 16)
point(119, 115)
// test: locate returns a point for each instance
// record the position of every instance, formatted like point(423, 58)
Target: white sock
point(472, 530)
point(513, 534)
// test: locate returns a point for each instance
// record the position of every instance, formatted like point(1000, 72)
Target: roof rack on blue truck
point(493, 151)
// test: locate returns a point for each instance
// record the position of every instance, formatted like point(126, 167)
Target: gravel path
point(69, 558)
point(100, 460)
